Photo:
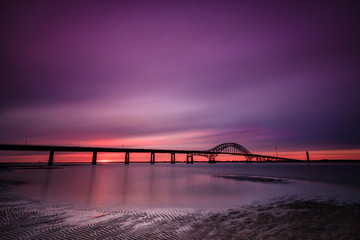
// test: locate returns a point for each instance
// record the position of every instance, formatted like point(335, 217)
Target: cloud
point(239, 71)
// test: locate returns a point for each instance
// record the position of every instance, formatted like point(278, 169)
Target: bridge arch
point(226, 148)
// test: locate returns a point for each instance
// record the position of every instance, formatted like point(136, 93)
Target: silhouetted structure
point(211, 154)
point(228, 148)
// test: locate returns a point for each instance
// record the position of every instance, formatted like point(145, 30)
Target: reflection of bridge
point(211, 154)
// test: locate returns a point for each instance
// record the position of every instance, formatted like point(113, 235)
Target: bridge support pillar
point(212, 160)
point(51, 158)
point(189, 158)
point(94, 158)
point(172, 157)
point(152, 158)
point(127, 158)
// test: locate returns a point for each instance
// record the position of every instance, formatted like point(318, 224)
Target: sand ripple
point(286, 219)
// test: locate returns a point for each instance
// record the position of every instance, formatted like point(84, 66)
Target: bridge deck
point(95, 150)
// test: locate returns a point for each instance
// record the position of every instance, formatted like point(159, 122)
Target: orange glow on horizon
point(43, 157)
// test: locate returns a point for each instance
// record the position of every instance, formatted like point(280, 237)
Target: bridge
point(211, 154)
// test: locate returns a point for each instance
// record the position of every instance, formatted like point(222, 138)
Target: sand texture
point(283, 219)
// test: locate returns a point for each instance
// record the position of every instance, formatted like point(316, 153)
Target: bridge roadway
point(127, 151)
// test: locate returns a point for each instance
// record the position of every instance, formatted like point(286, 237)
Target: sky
point(183, 75)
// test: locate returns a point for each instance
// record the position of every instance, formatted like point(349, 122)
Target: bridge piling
point(152, 158)
point(189, 158)
point(94, 158)
point(127, 158)
point(51, 158)
point(212, 160)
point(172, 158)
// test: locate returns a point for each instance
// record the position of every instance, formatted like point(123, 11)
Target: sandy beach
point(289, 218)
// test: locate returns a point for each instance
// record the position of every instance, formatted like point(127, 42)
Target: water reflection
point(189, 185)
point(166, 185)
point(151, 184)
point(124, 184)
point(46, 183)
point(172, 183)
point(91, 184)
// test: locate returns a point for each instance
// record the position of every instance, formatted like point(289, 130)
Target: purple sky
point(181, 74)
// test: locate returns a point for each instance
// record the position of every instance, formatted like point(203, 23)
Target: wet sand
point(261, 179)
point(289, 218)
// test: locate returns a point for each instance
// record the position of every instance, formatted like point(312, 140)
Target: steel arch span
point(229, 148)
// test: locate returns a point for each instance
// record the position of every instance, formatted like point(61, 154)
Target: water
point(165, 185)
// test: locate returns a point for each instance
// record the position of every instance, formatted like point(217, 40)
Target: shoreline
point(322, 171)
point(288, 218)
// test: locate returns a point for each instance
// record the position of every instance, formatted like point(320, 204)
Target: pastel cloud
point(196, 73)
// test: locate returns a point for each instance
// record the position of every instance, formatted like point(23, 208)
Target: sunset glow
point(168, 119)
point(181, 75)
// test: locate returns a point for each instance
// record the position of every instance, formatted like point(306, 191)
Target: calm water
point(184, 186)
